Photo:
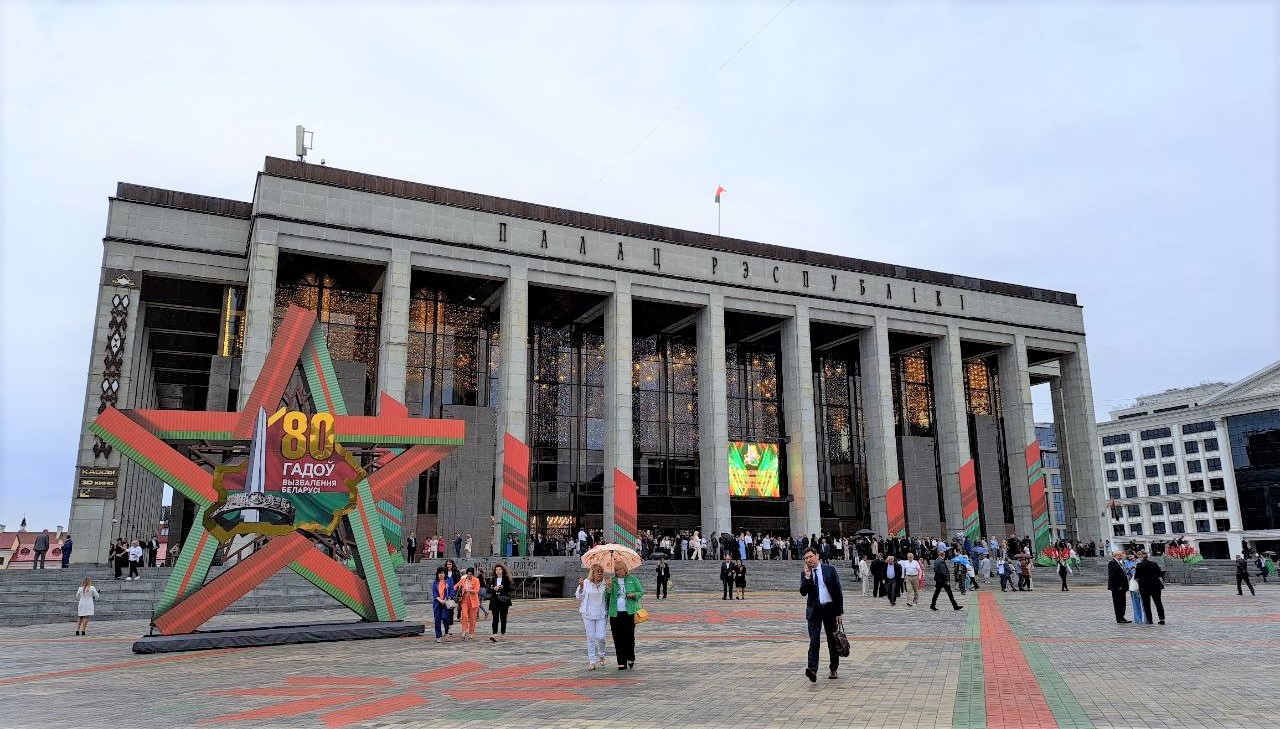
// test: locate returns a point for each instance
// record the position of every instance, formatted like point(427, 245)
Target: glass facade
point(842, 476)
point(664, 409)
point(566, 424)
point(452, 353)
point(1255, 454)
point(753, 375)
point(349, 312)
point(913, 393)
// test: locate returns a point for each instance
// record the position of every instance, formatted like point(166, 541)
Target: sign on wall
point(96, 482)
point(753, 470)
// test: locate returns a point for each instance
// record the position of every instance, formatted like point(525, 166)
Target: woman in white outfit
point(85, 595)
point(595, 616)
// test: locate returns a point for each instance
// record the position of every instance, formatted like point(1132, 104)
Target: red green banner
point(971, 524)
point(895, 505)
point(625, 511)
point(515, 491)
point(1041, 536)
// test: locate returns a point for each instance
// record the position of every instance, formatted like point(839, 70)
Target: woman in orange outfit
point(469, 602)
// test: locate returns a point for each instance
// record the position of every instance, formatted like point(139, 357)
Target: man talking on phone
point(824, 610)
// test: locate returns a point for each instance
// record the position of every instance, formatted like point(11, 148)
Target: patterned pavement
point(1042, 659)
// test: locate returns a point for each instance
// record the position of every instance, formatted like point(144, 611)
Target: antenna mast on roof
point(302, 142)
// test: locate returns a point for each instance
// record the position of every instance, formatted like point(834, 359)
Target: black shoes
point(959, 607)
point(812, 674)
point(1162, 622)
point(1122, 620)
point(933, 608)
point(833, 674)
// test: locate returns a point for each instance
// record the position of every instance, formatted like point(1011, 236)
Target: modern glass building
point(741, 385)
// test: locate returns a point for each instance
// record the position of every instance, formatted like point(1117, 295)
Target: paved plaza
point(1039, 659)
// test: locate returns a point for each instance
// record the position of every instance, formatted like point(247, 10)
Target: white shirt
point(622, 595)
point(910, 568)
point(592, 596)
point(824, 595)
point(135, 554)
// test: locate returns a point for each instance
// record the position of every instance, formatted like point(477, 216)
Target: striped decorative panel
point(286, 351)
point(971, 524)
point(625, 513)
point(1041, 536)
point(156, 456)
point(371, 555)
point(194, 561)
point(515, 491)
point(895, 505)
point(338, 581)
point(233, 584)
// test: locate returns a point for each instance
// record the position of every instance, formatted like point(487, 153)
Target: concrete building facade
point(605, 345)
point(1198, 463)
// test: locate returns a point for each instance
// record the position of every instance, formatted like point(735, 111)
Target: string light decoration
point(665, 418)
point(451, 358)
point(351, 320)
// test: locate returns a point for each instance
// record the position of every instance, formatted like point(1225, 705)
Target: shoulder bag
point(842, 640)
point(642, 615)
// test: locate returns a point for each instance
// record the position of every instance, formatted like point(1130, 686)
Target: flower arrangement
point(1184, 552)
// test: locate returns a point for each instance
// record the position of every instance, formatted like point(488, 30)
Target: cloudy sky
point(1122, 151)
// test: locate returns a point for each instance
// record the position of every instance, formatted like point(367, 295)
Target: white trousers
point(596, 628)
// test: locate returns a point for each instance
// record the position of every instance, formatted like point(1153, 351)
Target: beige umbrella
point(610, 555)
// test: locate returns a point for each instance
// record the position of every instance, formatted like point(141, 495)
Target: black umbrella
point(863, 533)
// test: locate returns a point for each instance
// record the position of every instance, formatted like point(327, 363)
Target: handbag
point(842, 640)
point(502, 599)
point(641, 616)
point(451, 603)
point(1133, 585)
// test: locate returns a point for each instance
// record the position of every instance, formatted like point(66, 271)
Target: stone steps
point(46, 596)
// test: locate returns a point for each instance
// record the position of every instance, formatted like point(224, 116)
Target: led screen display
point(753, 470)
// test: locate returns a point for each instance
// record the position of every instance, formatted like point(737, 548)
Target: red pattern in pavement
point(1014, 698)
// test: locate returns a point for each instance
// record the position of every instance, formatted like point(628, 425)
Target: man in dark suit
point(664, 576)
point(1118, 584)
point(823, 611)
point(877, 576)
point(726, 576)
point(411, 547)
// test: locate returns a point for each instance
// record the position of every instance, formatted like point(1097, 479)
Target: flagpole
point(717, 218)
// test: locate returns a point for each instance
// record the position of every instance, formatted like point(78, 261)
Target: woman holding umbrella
point(621, 596)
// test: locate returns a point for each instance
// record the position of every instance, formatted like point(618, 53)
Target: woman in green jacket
point(622, 597)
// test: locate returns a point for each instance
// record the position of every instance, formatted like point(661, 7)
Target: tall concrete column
point(802, 429)
point(877, 412)
point(953, 421)
point(394, 337)
point(513, 375)
point(1235, 539)
point(713, 420)
point(1019, 427)
point(260, 306)
point(1072, 526)
point(618, 451)
point(1082, 452)
point(90, 520)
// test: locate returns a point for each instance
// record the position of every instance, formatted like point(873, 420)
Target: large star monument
point(297, 485)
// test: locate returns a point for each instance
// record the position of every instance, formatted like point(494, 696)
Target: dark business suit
point(877, 577)
point(1148, 573)
point(893, 582)
point(726, 576)
point(1118, 584)
point(822, 617)
point(664, 576)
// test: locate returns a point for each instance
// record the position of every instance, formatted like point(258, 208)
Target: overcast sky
point(1127, 154)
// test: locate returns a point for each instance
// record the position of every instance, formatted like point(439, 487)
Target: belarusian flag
point(718, 191)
